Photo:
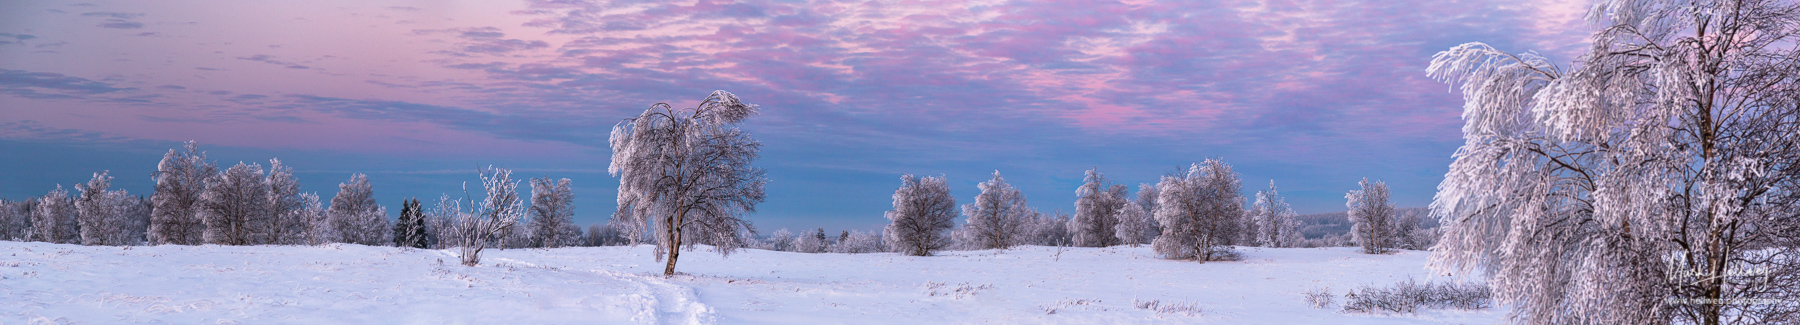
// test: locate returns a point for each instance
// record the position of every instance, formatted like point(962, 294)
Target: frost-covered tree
point(856, 242)
point(235, 202)
point(1049, 229)
point(687, 173)
point(1095, 204)
point(473, 227)
point(1372, 223)
point(354, 217)
point(104, 216)
point(15, 219)
point(284, 224)
point(53, 219)
point(922, 216)
point(1199, 212)
point(1147, 194)
point(811, 242)
point(1654, 182)
point(409, 230)
point(552, 210)
point(1274, 220)
point(180, 180)
point(1134, 225)
point(315, 225)
point(998, 216)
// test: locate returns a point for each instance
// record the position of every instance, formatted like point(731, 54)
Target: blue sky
point(417, 94)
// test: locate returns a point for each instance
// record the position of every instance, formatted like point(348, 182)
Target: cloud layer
point(1311, 93)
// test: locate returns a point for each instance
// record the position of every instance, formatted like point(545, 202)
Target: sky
point(1312, 95)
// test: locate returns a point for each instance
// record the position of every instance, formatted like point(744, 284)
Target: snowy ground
point(49, 283)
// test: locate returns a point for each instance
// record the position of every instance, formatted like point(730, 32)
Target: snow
point(338, 283)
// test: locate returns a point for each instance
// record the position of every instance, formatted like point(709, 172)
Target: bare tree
point(1095, 204)
point(473, 227)
point(1372, 223)
point(552, 210)
point(1653, 183)
point(234, 203)
point(180, 179)
point(1199, 211)
point(922, 216)
point(997, 217)
point(687, 173)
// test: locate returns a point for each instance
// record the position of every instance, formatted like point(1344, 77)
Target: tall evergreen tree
point(409, 231)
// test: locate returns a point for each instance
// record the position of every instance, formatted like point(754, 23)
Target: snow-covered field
point(51, 283)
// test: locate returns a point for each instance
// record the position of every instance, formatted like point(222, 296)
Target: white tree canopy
point(1653, 183)
point(687, 173)
point(997, 217)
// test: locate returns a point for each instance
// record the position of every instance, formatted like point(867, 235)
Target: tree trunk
point(674, 243)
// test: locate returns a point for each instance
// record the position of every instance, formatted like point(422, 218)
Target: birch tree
point(1372, 220)
point(687, 173)
point(1199, 212)
point(15, 219)
point(1274, 219)
point(552, 210)
point(922, 216)
point(1653, 183)
point(997, 217)
point(234, 204)
point(103, 215)
point(180, 180)
point(284, 224)
point(354, 217)
point(1095, 204)
point(53, 219)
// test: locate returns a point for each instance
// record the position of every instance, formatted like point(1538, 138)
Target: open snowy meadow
point(343, 283)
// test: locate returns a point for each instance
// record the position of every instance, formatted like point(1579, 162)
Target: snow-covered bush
point(1200, 212)
point(997, 218)
point(1095, 204)
point(1410, 296)
point(552, 212)
point(1372, 217)
point(811, 242)
point(1320, 298)
point(474, 226)
point(857, 241)
point(922, 216)
point(181, 179)
point(355, 218)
